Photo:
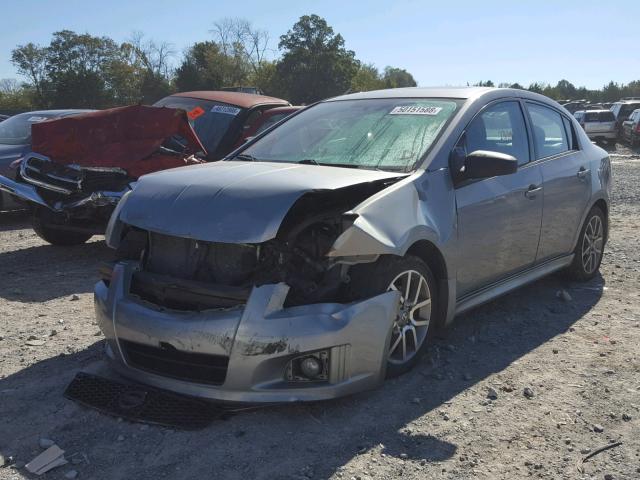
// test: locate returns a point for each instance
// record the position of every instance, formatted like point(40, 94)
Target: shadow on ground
point(75, 271)
point(14, 220)
point(290, 441)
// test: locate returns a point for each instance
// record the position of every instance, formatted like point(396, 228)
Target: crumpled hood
point(122, 137)
point(231, 202)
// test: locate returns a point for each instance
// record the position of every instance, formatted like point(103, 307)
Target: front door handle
point(583, 172)
point(532, 191)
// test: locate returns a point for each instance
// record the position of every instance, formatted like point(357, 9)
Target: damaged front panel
point(244, 354)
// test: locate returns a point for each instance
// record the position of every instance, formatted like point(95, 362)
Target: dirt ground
point(580, 357)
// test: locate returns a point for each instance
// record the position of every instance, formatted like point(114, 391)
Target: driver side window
point(499, 128)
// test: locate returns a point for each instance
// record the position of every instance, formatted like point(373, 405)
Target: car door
point(566, 177)
point(498, 218)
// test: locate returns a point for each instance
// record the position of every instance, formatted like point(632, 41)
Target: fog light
point(313, 367)
point(310, 367)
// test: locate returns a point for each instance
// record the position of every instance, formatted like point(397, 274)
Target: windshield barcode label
point(415, 110)
point(225, 109)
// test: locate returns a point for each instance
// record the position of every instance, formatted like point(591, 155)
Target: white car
point(598, 124)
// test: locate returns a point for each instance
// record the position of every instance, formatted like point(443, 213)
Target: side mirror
point(485, 164)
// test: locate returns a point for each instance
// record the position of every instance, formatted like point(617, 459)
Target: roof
point(243, 100)
point(419, 92)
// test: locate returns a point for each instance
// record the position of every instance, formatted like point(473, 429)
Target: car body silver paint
point(260, 339)
point(423, 207)
point(233, 202)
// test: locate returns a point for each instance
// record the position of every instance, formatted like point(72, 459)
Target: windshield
point(387, 134)
point(16, 130)
point(210, 120)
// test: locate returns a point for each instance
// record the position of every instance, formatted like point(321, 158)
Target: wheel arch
point(433, 257)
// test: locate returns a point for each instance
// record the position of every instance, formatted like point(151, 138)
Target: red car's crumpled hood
point(124, 137)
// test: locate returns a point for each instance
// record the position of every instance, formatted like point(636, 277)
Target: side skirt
point(510, 283)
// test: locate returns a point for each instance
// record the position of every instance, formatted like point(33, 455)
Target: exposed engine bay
point(188, 274)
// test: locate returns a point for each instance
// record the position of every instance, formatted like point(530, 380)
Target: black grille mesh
point(143, 403)
point(169, 362)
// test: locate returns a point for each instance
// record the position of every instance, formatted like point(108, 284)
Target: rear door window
point(499, 128)
point(549, 134)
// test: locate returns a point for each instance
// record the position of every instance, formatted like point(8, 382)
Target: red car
point(224, 120)
point(81, 166)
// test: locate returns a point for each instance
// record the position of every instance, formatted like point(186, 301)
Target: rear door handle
point(583, 172)
point(533, 191)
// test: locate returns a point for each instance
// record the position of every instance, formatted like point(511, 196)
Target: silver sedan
point(318, 258)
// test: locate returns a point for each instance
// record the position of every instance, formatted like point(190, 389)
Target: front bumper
point(256, 341)
point(29, 193)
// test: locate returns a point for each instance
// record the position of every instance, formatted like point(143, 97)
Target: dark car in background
point(15, 143)
point(622, 109)
point(631, 128)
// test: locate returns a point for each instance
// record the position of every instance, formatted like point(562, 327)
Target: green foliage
point(315, 63)
point(397, 78)
point(202, 68)
point(86, 71)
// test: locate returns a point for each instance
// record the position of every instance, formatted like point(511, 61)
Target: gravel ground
point(462, 413)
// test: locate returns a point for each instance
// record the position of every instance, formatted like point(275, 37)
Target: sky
point(441, 43)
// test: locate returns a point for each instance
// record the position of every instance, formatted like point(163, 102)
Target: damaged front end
point(86, 163)
point(266, 321)
point(69, 194)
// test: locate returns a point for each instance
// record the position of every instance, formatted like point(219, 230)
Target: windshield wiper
point(245, 157)
point(308, 161)
point(311, 161)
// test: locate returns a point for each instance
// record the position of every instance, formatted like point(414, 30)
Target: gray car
point(318, 258)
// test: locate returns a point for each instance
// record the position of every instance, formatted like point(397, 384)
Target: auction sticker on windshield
point(225, 109)
point(415, 110)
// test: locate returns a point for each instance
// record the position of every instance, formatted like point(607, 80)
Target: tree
point(488, 83)
point(315, 63)
point(30, 60)
point(397, 77)
point(366, 78)
point(203, 68)
point(240, 42)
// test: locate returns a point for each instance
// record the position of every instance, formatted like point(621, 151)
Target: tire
point(588, 251)
point(413, 324)
point(57, 236)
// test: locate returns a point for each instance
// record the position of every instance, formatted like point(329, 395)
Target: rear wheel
point(416, 316)
point(588, 251)
point(57, 235)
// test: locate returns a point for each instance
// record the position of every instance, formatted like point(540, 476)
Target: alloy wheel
point(414, 315)
point(592, 244)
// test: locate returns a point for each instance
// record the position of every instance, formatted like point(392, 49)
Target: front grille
point(43, 172)
point(47, 174)
point(173, 363)
point(98, 179)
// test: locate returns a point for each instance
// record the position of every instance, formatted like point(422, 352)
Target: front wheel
point(588, 251)
point(416, 315)
point(57, 235)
